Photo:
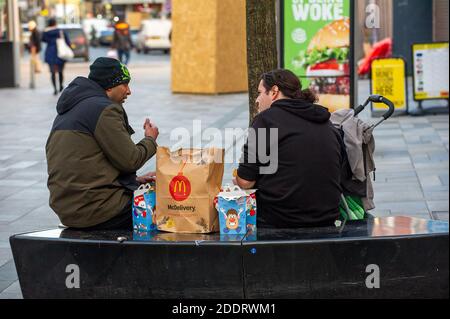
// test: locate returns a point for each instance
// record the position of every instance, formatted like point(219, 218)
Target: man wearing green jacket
point(92, 160)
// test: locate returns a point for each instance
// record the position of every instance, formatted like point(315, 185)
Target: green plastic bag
point(354, 208)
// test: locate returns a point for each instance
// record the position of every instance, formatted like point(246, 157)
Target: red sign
point(180, 188)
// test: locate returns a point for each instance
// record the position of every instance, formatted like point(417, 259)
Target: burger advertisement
point(316, 47)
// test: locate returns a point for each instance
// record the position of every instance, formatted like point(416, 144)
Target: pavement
point(412, 153)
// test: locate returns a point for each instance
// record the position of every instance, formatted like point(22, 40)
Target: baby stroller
point(358, 146)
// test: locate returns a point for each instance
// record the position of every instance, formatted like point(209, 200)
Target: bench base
point(409, 255)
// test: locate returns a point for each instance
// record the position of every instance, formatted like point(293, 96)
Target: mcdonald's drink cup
point(144, 204)
point(237, 210)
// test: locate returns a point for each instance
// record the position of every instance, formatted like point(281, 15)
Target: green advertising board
point(317, 47)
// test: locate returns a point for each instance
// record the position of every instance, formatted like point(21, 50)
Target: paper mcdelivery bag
point(188, 181)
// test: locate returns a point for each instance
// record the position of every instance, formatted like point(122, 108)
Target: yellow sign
point(431, 74)
point(388, 80)
point(430, 46)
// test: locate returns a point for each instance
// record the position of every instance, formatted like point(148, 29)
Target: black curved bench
point(411, 256)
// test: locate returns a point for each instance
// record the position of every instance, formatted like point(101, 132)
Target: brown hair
point(232, 212)
point(289, 84)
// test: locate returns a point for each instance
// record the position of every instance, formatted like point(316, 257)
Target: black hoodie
point(305, 188)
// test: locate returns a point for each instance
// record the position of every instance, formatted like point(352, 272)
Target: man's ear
point(275, 92)
point(108, 92)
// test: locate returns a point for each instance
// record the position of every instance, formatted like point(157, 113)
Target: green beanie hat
point(109, 73)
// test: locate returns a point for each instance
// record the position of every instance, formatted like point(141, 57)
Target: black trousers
point(123, 221)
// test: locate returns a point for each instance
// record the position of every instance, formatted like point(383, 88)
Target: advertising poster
point(431, 74)
point(389, 80)
point(316, 46)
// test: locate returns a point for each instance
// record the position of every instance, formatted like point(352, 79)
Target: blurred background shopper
point(56, 65)
point(35, 46)
point(122, 41)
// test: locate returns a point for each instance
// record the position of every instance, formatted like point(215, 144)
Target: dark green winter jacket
point(92, 160)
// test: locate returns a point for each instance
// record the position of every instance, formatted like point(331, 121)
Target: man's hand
point(148, 178)
point(242, 183)
point(151, 130)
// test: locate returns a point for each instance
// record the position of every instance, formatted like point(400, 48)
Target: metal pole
point(65, 11)
point(357, 45)
point(32, 73)
point(2, 25)
point(14, 36)
point(32, 57)
point(35, 5)
point(279, 26)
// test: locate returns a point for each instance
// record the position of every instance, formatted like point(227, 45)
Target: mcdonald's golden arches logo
point(180, 188)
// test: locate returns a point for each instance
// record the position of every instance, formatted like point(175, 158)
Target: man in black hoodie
point(305, 189)
point(92, 160)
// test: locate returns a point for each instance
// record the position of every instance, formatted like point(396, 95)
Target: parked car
point(155, 34)
point(106, 37)
point(99, 25)
point(78, 40)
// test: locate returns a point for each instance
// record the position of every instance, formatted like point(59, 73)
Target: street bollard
point(32, 73)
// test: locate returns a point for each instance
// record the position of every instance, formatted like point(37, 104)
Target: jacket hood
point(80, 89)
point(306, 110)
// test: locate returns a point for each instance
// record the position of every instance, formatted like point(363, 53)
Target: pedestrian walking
point(34, 46)
point(122, 41)
point(94, 40)
point(56, 64)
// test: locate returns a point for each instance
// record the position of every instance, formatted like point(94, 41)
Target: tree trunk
point(262, 55)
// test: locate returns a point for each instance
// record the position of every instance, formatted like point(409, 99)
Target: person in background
point(56, 65)
point(122, 41)
point(94, 40)
point(34, 46)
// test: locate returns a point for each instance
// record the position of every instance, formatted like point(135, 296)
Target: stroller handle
point(377, 99)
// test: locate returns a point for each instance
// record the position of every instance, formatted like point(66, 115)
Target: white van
point(155, 34)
